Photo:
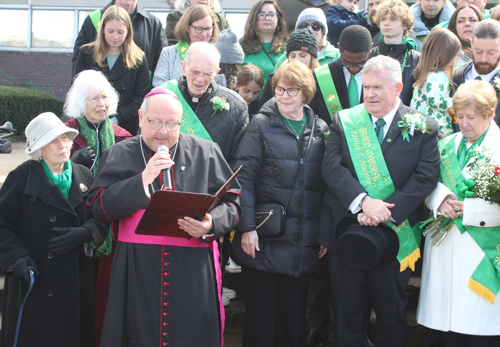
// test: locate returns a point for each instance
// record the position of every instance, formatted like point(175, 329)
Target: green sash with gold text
point(328, 90)
point(374, 176)
point(182, 48)
point(485, 280)
point(190, 123)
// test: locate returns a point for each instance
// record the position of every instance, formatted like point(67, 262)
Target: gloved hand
point(69, 240)
point(21, 268)
point(84, 156)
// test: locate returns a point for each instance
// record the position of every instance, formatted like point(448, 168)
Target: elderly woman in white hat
point(46, 226)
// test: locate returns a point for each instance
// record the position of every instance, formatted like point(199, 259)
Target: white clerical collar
point(388, 118)
point(486, 78)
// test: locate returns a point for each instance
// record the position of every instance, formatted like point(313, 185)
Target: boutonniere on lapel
point(325, 136)
point(411, 122)
point(496, 84)
point(219, 104)
point(479, 156)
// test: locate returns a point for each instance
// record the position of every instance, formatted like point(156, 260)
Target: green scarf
point(410, 43)
point(464, 154)
point(106, 134)
point(63, 180)
point(485, 280)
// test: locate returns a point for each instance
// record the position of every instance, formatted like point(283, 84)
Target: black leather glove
point(21, 268)
point(84, 156)
point(69, 240)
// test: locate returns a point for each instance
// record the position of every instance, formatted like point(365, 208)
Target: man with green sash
point(338, 84)
point(377, 180)
point(148, 31)
point(210, 111)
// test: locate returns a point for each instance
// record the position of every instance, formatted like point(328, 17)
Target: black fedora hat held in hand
point(362, 247)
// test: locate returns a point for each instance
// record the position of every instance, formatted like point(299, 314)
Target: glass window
point(14, 28)
point(161, 16)
point(53, 29)
point(237, 22)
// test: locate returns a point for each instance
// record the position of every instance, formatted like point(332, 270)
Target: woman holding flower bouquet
point(461, 270)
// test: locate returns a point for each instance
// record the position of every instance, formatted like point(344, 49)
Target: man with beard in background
point(484, 66)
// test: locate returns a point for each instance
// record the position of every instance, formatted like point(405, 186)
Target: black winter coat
point(60, 310)
point(131, 84)
point(148, 35)
point(398, 52)
point(271, 156)
point(226, 128)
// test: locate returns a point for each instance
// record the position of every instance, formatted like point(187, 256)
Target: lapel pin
point(389, 140)
point(443, 152)
point(83, 188)
point(183, 168)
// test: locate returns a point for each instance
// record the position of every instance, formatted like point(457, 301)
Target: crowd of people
point(354, 132)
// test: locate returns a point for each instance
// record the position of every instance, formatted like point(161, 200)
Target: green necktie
point(478, 78)
point(379, 130)
point(352, 90)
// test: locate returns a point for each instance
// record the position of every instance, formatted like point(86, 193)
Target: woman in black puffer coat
point(273, 151)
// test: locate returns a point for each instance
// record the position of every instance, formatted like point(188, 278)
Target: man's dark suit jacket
point(459, 79)
point(413, 166)
point(318, 103)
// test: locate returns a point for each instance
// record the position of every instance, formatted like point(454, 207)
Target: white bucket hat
point(44, 129)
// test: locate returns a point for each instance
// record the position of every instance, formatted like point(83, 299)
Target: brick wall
point(48, 72)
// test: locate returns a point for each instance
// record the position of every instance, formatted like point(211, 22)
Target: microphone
point(165, 174)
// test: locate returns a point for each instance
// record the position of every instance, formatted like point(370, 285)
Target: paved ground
point(9, 161)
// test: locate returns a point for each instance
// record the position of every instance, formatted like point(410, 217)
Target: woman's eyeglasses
point(270, 16)
point(95, 99)
point(199, 30)
point(290, 91)
point(314, 26)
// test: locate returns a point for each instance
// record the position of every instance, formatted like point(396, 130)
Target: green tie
point(478, 78)
point(352, 90)
point(379, 130)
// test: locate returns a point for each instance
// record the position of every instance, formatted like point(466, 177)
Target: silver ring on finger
point(445, 211)
point(158, 162)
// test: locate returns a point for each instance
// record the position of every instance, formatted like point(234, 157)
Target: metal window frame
point(76, 25)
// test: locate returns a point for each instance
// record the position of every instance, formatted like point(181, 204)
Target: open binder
point(166, 207)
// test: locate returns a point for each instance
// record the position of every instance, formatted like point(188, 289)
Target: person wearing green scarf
point(46, 226)
point(462, 23)
point(395, 20)
point(461, 276)
point(97, 132)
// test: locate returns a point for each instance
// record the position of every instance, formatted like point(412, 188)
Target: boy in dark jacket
point(340, 16)
point(395, 20)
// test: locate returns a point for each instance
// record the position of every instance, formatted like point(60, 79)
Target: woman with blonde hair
point(115, 54)
point(433, 78)
point(181, 6)
point(460, 277)
point(196, 25)
point(264, 40)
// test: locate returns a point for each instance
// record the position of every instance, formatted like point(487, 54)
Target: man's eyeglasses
point(199, 30)
point(156, 125)
point(314, 26)
point(94, 100)
point(270, 16)
point(348, 66)
point(207, 76)
point(290, 91)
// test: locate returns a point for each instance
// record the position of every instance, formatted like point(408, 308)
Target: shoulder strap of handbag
point(268, 55)
point(301, 162)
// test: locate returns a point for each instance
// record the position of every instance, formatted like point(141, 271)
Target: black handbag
point(270, 219)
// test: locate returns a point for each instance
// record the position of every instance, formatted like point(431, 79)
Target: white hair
point(384, 63)
point(84, 84)
point(183, 5)
point(204, 48)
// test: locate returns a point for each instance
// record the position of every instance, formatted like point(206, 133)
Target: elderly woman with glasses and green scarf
point(196, 25)
point(89, 103)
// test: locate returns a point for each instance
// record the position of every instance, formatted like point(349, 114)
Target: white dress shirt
point(472, 74)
